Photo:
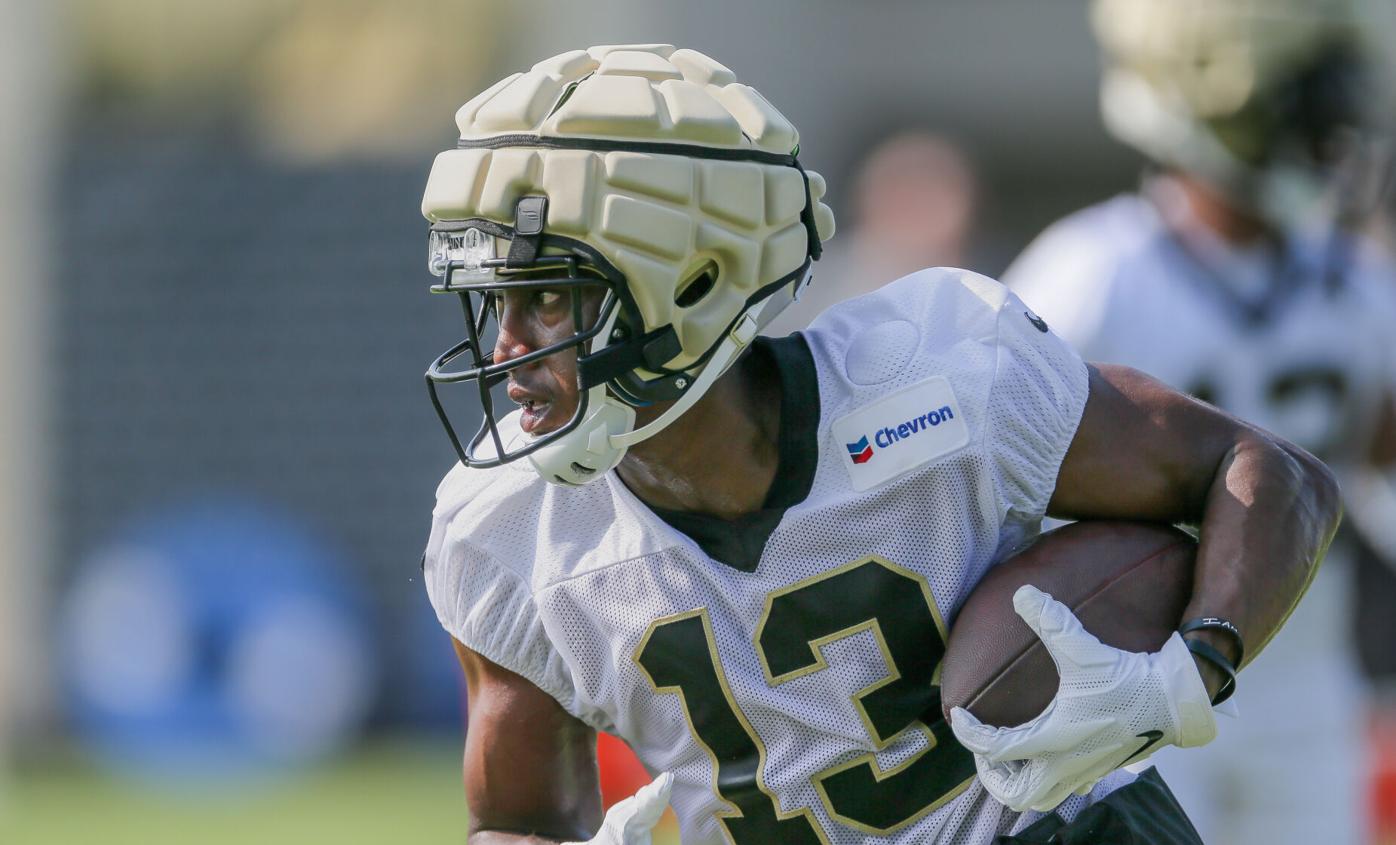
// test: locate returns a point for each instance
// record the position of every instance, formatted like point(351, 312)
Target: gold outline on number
point(894, 674)
point(716, 663)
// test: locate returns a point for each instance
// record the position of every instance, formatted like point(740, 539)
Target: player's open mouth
point(535, 414)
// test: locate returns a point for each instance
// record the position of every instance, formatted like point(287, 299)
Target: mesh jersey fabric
point(567, 586)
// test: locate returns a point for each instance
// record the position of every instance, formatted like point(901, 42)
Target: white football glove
point(630, 822)
point(1112, 707)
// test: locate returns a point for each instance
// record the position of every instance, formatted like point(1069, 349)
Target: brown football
point(1128, 583)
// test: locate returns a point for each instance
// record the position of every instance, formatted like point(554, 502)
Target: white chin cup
point(588, 451)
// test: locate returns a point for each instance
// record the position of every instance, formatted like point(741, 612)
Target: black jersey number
point(679, 655)
point(1314, 406)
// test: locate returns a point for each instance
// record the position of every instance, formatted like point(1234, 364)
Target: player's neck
point(720, 457)
point(1211, 210)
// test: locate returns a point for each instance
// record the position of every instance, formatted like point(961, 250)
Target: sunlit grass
point(384, 793)
point(391, 792)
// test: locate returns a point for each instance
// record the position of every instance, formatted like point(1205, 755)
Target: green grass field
point(386, 792)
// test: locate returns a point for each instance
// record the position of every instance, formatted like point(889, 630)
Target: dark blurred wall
point(232, 324)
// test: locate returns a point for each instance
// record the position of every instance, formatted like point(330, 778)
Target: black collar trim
point(739, 543)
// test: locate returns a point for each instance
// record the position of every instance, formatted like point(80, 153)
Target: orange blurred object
point(1382, 786)
point(621, 775)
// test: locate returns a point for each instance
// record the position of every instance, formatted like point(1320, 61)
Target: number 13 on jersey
point(679, 656)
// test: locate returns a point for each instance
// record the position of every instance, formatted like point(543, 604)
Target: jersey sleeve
point(1036, 398)
point(1066, 276)
point(485, 604)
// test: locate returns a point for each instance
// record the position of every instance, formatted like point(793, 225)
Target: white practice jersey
point(783, 666)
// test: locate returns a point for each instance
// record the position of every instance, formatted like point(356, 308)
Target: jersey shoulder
point(470, 500)
point(541, 533)
point(946, 305)
point(482, 581)
point(928, 321)
point(940, 361)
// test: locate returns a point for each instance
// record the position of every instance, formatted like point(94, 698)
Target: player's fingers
point(650, 802)
point(1067, 641)
point(995, 779)
point(971, 733)
point(1029, 603)
point(1050, 781)
point(1047, 799)
point(1078, 780)
point(1008, 782)
point(1055, 737)
point(980, 738)
point(1046, 616)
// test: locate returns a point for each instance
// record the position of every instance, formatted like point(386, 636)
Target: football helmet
point(1263, 99)
point(644, 170)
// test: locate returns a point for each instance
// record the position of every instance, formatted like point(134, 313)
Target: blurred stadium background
point(217, 460)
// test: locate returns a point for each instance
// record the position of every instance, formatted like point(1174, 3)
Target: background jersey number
point(679, 654)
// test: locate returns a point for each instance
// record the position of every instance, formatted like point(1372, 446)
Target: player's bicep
point(530, 766)
point(1142, 451)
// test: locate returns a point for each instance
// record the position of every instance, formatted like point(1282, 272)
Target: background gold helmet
point(1250, 95)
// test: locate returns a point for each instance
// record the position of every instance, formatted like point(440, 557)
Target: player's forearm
point(1270, 513)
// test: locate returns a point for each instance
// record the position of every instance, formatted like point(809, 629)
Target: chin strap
point(600, 442)
point(722, 358)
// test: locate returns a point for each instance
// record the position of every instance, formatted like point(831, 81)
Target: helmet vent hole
point(567, 95)
point(698, 286)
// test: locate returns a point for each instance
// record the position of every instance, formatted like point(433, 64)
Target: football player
point(740, 555)
point(1235, 274)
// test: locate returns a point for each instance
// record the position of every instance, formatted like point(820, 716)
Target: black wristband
point(1214, 623)
point(1217, 659)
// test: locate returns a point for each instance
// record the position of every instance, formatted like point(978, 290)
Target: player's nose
point(515, 337)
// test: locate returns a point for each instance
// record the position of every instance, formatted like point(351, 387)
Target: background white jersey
point(922, 430)
point(1272, 341)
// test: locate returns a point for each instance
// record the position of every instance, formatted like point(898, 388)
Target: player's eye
point(548, 298)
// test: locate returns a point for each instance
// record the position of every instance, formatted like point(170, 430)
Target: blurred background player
point(915, 198)
point(1237, 273)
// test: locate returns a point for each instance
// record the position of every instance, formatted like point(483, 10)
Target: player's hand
point(1111, 708)
point(630, 822)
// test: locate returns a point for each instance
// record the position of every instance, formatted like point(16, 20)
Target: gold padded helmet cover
point(1171, 65)
point(661, 220)
point(1210, 57)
